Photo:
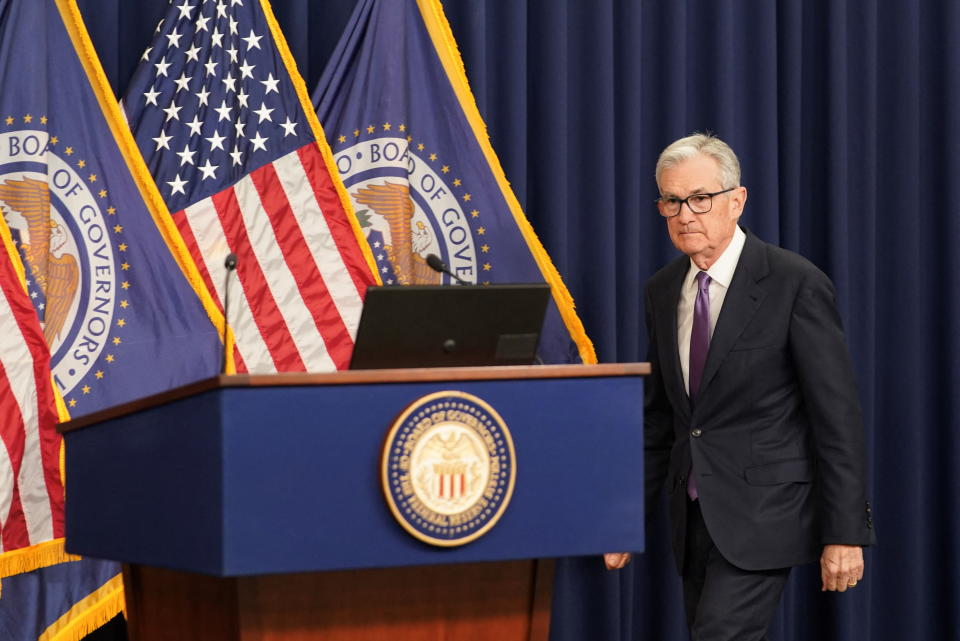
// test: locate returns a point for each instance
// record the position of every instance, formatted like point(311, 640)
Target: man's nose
point(686, 215)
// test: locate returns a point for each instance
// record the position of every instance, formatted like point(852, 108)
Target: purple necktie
point(699, 345)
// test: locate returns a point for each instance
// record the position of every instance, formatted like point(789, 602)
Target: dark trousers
point(724, 602)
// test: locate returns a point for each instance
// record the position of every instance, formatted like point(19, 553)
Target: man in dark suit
point(752, 418)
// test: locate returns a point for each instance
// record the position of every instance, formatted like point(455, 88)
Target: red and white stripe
point(301, 271)
point(31, 492)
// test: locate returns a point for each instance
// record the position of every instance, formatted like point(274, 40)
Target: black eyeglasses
point(669, 206)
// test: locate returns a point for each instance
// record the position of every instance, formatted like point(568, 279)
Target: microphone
point(437, 265)
point(231, 264)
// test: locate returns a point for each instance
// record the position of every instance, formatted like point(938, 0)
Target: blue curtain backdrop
point(846, 118)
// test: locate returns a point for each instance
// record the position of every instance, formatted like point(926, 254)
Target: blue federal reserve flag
point(413, 153)
point(116, 297)
point(120, 315)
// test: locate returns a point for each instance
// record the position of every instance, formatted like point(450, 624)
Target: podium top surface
point(360, 377)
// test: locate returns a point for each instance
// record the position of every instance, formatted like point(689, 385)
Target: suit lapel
point(742, 301)
point(668, 299)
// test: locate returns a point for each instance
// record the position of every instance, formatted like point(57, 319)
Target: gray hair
point(708, 145)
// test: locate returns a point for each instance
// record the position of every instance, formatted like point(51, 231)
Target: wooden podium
point(250, 507)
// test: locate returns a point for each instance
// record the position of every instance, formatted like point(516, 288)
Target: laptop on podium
point(450, 325)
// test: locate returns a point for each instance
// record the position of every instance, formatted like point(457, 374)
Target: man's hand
point(616, 560)
point(841, 566)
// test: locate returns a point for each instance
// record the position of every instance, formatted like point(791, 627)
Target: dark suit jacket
point(776, 434)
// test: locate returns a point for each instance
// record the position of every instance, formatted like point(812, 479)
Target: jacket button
point(696, 433)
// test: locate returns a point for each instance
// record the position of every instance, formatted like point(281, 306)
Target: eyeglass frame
point(686, 201)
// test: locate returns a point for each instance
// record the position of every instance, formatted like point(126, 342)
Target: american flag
point(217, 109)
point(31, 491)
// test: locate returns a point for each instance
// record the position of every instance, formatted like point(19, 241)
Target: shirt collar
point(722, 271)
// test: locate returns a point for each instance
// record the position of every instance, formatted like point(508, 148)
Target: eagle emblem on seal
point(448, 468)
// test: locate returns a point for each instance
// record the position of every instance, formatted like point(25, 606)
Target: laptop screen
point(450, 326)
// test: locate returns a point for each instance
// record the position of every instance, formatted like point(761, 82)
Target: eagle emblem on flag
point(46, 253)
point(409, 243)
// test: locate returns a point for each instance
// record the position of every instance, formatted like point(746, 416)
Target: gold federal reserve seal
point(448, 468)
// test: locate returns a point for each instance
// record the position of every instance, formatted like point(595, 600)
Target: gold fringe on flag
point(449, 53)
point(73, 22)
point(32, 558)
point(88, 614)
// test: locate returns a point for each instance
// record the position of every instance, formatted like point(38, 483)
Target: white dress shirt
point(721, 273)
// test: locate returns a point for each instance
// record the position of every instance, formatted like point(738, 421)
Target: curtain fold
point(846, 118)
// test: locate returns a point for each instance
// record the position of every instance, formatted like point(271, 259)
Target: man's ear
point(739, 199)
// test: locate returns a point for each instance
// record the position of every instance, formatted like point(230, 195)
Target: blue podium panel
point(257, 480)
